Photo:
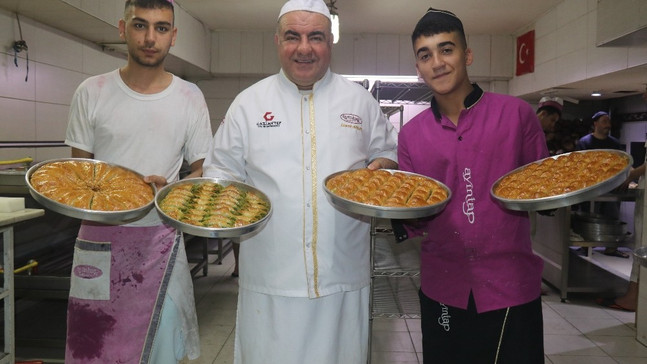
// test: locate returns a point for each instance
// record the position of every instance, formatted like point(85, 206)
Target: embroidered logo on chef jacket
point(268, 121)
point(443, 320)
point(468, 205)
point(351, 121)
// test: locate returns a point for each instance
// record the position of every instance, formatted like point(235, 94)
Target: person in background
point(600, 138)
point(480, 281)
point(146, 119)
point(549, 111)
point(629, 301)
point(305, 276)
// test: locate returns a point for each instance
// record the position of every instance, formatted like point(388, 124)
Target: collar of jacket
point(470, 100)
point(326, 79)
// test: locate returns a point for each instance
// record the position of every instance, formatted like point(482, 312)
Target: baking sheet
point(565, 199)
point(106, 217)
point(387, 212)
point(208, 232)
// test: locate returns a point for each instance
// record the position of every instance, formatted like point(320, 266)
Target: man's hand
point(382, 163)
point(159, 181)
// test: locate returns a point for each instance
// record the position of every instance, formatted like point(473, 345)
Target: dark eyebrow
point(443, 44)
point(421, 50)
point(291, 32)
point(316, 32)
point(164, 23)
point(141, 20)
point(440, 45)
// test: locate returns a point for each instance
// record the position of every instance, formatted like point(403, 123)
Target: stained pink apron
point(119, 279)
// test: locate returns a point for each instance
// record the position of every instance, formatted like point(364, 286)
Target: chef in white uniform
point(304, 277)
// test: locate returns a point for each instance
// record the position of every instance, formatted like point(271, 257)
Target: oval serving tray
point(209, 232)
point(564, 199)
point(106, 217)
point(387, 212)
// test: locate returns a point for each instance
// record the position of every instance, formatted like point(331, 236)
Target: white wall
point(236, 52)
point(566, 49)
point(36, 110)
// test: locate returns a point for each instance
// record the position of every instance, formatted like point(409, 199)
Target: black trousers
point(452, 335)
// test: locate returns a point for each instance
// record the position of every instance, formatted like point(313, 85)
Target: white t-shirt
point(149, 133)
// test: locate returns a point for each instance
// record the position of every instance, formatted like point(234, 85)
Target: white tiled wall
point(36, 109)
point(220, 92)
point(566, 51)
point(355, 54)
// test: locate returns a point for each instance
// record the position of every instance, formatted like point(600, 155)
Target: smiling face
point(304, 43)
point(149, 34)
point(441, 61)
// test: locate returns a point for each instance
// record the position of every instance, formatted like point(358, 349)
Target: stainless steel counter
point(551, 240)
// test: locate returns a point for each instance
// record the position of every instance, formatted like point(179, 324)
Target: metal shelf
point(395, 277)
point(401, 92)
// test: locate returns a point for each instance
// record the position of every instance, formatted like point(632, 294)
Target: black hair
point(550, 110)
point(437, 21)
point(150, 4)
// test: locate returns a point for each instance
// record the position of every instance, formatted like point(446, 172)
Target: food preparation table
point(551, 240)
point(7, 222)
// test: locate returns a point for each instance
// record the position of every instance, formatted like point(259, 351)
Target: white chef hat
point(315, 6)
point(554, 102)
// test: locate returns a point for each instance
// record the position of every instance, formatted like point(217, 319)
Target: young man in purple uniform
point(480, 281)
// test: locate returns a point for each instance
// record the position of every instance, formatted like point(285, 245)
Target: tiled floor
point(577, 331)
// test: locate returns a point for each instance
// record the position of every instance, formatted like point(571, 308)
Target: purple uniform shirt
point(474, 244)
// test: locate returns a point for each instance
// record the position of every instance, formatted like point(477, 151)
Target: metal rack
point(394, 95)
point(401, 92)
point(218, 246)
point(393, 289)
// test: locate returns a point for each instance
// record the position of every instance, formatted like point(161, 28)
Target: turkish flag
point(526, 53)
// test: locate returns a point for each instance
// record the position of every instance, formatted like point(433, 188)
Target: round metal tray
point(206, 231)
point(565, 199)
point(387, 212)
point(106, 217)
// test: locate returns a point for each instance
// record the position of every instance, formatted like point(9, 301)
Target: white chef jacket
point(286, 143)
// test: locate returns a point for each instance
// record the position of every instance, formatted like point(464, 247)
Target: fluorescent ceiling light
point(335, 27)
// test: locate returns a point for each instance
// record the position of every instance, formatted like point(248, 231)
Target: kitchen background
point(576, 42)
point(36, 84)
